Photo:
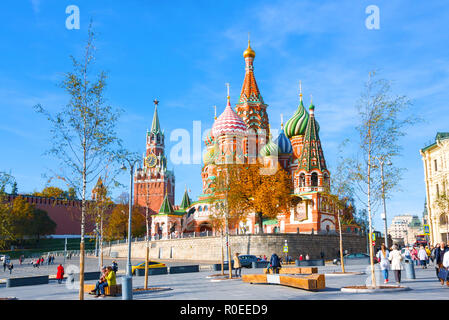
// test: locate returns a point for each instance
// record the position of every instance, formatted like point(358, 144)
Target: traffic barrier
point(260, 264)
point(310, 263)
point(93, 275)
point(184, 269)
point(151, 271)
point(217, 266)
point(26, 281)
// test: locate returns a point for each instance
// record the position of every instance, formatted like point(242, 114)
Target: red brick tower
point(153, 179)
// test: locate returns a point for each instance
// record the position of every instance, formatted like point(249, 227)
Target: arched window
point(314, 179)
point(326, 180)
point(205, 208)
point(200, 209)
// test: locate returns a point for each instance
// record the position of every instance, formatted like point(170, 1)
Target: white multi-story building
point(404, 228)
point(436, 174)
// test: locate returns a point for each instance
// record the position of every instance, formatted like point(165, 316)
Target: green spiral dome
point(297, 124)
point(269, 149)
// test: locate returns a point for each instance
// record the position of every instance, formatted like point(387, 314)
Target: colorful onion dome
point(249, 52)
point(209, 140)
point(297, 124)
point(228, 123)
point(269, 149)
point(283, 143)
point(209, 156)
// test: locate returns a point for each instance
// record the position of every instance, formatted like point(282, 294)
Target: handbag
point(443, 274)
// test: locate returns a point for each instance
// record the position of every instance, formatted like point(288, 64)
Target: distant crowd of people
point(422, 256)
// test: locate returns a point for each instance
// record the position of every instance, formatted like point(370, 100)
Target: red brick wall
point(65, 213)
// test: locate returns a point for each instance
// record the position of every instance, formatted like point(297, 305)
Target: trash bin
point(409, 269)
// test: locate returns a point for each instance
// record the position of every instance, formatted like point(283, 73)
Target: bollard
point(409, 269)
point(127, 288)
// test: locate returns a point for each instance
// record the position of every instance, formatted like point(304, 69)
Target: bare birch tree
point(381, 123)
point(83, 132)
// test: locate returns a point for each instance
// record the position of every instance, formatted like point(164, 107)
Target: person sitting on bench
point(99, 282)
point(110, 281)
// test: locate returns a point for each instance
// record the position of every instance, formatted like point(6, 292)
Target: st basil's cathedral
point(242, 135)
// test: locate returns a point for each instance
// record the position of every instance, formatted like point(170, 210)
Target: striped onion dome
point(209, 156)
point(209, 139)
point(297, 124)
point(283, 143)
point(228, 123)
point(271, 148)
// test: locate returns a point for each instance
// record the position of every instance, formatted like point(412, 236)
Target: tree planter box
point(26, 281)
point(310, 263)
point(184, 269)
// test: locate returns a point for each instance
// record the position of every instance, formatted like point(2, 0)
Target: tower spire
point(228, 96)
point(155, 126)
point(282, 121)
point(215, 112)
point(300, 90)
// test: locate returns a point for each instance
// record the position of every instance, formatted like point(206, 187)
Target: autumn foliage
point(249, 189)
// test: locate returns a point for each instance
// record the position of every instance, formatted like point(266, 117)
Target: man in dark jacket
point(439, 254)
point(275, 263)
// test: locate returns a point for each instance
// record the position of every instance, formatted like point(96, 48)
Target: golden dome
point(249, 52)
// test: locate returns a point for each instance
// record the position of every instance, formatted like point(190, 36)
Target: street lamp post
point(127, 292)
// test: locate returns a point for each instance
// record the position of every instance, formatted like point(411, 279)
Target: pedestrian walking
point(275, 263)
point(60, 273)
point(237, 265)
point(114, 266)
point(414, 254)
point(422, 256)
point(307, 257)
point(4, 264)
point(439, 255)
point(395, 258)
point(444, 270)
point(382, 256)
point(301, 257)
point(10, 267)
point(428, 255)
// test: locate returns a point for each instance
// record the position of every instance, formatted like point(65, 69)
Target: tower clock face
point(150, 160)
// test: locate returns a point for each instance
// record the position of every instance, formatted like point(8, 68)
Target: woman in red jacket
point(60, 273)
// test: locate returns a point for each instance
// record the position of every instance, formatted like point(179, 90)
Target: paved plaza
point(196, 286)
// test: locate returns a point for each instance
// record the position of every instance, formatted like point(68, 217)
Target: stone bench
point(115, 290)
point(184, 269)
point(295, 270)
point(26, 281)
point(151, 271)
point(309, 263)
point(311, 282)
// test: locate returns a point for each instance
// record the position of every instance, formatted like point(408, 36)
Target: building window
point(302, 180)
point(314, 179)
point(435, 162)
point(438, 191)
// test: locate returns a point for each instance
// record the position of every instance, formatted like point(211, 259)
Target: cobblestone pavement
point(195, 286)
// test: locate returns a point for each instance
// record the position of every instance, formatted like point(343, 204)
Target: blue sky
point(184, 52)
